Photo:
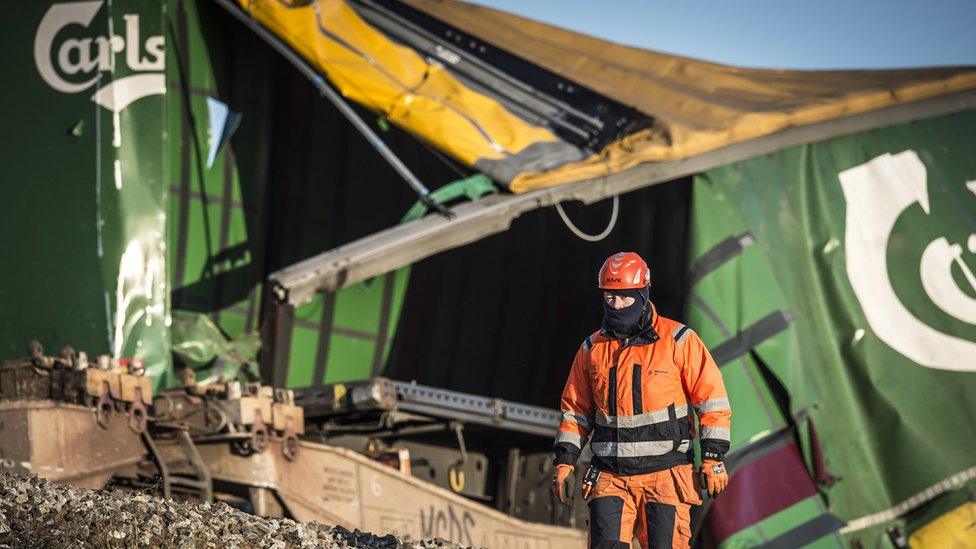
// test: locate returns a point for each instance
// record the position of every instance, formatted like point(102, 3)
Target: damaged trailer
point(770, 154)
point(346, 456)
point(812, 226)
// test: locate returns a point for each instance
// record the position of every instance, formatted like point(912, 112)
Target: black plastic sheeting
point(504, 316)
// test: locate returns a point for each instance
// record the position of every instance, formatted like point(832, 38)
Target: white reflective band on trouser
point(718, 433)
point(570, 437)
point(578, 418)
point(713, 404)
point(637, 449)
point(640, 420)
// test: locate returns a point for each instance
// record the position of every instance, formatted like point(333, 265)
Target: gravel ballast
point(38, 513)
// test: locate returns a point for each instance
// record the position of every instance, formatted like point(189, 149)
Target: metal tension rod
point(336, 99)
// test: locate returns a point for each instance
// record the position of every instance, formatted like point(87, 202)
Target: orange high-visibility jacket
point(635, 397)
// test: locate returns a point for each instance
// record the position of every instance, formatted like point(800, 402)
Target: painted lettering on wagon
point(447, 523)
point(70, 59)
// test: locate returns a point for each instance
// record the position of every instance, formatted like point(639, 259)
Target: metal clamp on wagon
point(50, 404)
point(249, 416)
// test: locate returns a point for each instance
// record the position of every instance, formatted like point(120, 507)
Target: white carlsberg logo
point(877, 193)
point(84, 58)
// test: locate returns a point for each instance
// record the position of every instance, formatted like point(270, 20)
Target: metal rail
point(388, 395)
point(494, 412)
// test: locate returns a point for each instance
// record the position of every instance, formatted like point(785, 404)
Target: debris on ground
point(38, 513)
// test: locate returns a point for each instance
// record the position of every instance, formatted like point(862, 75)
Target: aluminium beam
point(380, 393)
point(493, 412)
point(410, 242)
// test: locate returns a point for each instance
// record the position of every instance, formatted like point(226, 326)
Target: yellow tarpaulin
point(957, 528)
point(423, 98)
point(696, 106)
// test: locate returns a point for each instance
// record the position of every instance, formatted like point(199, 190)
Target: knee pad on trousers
point(605, 517)
point(660, 525)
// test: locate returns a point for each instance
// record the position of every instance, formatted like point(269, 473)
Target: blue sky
point(781, 34)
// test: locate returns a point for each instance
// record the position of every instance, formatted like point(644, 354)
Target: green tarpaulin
point(84, 194)
point(845, 269)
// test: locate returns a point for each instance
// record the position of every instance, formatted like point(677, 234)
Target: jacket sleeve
point(577, 408)
point(704, 386)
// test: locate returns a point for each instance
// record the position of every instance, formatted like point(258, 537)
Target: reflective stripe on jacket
point(635, 397)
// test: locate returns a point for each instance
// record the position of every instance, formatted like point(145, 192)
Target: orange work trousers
point(657, 505)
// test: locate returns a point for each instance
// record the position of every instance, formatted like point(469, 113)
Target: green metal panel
point(304, 343)
point(211, 264)
point(400, 280)
point(350, 359)
point(352, 303)
point(348, 339)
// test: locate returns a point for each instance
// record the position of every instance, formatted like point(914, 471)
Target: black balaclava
point(628, 321)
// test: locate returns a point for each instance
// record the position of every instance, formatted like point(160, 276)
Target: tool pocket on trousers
point(683, 477)
point(600, 487)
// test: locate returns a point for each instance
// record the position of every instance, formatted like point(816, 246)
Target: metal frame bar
point(410, 242)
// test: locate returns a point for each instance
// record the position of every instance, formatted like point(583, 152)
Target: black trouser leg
point(605, 519)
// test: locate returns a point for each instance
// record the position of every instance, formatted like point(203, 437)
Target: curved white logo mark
point(937, 261)
point(877, 193)
point(86, 56)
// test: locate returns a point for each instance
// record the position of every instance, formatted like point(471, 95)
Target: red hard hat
point(623, 271)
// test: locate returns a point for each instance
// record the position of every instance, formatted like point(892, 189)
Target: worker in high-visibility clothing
point(631, 390)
